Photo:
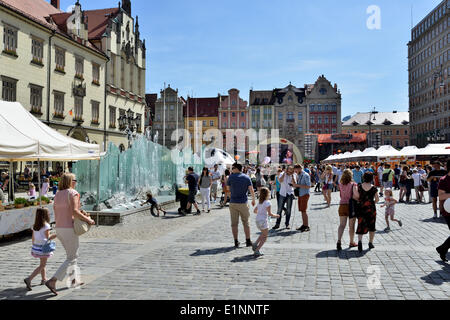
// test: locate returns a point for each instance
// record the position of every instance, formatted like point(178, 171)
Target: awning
point(342, 138)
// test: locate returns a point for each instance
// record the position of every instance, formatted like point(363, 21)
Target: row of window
point(428, 82)
point(122, 112)
point(430, 51)
point(290, 116)
point(10, 44)
point(9, 93)
point(324, 131)
point(319, 107)
point(433, 66)
point(204, 123)
point(430, 22)
point(427, 111)
point(431, 125)
point(385, 132)
point(430, 95)
point(233, 114)
point(326, 119)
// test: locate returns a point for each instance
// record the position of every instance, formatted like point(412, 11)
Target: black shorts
point(191, 196)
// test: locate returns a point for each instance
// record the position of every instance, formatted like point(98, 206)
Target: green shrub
point(20, 201)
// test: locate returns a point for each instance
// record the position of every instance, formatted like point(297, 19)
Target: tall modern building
point(429, 69)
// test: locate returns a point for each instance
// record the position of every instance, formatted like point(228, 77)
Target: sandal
point(43, 282)
point(52, 289)
point(352, 245)
point(28, 284)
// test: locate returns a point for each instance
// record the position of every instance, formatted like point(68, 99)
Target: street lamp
point(373, 112)
point(130, 123)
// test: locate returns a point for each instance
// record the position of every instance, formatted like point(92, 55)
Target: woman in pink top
point(66, 207)
point(346, 190)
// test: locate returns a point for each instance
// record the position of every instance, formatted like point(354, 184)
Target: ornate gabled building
point(297, 112)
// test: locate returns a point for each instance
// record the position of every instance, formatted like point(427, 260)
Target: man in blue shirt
point(357, 174)
point(304, 185)
point(240, 184)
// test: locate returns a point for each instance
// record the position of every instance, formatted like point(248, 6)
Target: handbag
point(353, 207)
point(80, 227)
point(49, 246)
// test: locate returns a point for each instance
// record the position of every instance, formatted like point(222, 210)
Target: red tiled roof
point(203, 107)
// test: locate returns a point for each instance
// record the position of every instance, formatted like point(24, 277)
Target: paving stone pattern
point(193, 257)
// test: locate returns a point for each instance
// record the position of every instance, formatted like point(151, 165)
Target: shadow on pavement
point(21, 294)
point(206, 252)
point(439, 277)
point(247, 258)
point(439, 220)
point(344, 254)
point(280, 233)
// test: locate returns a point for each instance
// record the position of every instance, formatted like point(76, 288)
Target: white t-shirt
point(416, 177)
point(262, 211)
point(39, 236)
point(215, 175)
point(285, 188)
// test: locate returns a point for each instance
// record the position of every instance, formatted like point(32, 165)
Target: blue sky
point(205, 47)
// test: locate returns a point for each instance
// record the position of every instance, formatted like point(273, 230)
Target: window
point(139, 122)
point(333, 130)
point(79, 67)
point(35, 98)
point(95, 111)
point(290, 116)
point(60, 59)
point(37, 49)
point(10, 40)
point(311, 107)
point(300, 116)
point(280, 115)
point(9, 89)
point(233, 114)
point(312, 120)
point(172, 107)
point(112, 117)
point(334, 120)
point(326, 120)
point(300, 128)
point(204, 123)
point(325, 107)
point(224, 115)
point(233, 103)
point(242, 114)
point(95, 73)
point(243, 125)
point(78, 108)
point(319, 120)
point(211, 123)
point(319, 107)
point(59, 104)
point(233, 125)
point(190, 123)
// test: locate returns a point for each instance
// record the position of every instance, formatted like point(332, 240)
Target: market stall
point(26, 138)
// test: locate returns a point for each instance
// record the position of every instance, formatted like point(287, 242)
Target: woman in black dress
point(367, 195)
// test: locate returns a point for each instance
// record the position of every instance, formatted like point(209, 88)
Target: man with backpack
point(387, 177)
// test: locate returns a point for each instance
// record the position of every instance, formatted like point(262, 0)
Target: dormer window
point(387, 122)
point(323, 91)
point(354, 123)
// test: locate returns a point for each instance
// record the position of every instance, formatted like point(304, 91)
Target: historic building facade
point(297, 112)
point(78, 72)
point(429, 70)
point(55, 72)
point(381, 128)
point(168, 121)
point(233, 113)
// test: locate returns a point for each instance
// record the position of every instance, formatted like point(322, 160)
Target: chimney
point(55, 3)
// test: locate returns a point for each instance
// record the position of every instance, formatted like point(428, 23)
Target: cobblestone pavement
point(193, 258)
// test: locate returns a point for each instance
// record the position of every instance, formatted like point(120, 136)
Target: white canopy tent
point(23, 137)
point(409, 151)
point(442, 149)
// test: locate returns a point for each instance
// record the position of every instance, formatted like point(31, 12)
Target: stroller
point(181, 195)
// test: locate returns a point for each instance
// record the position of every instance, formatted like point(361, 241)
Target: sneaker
point(288, 227)
point(198, 213)
point(371, 246)
point(248, 243)
point(254, 246)
point(435, 216)
point(236, 243)
point(275, 227)
point(301, 228)
point(387, 229)
point(400, 223)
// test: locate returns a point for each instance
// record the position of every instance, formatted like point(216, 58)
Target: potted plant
point(44, 200)
point(20, 202)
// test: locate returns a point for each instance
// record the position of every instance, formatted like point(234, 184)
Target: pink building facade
point(233, 113)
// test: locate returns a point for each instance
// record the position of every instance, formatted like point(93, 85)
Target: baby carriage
point(182, 195)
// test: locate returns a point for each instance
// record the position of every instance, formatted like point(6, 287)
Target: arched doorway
point(121, 147)
point(79, 133)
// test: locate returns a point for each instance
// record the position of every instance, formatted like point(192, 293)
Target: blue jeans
point(285, 200)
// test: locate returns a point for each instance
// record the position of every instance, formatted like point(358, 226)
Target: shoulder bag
point(49, 246)
point(352, 206)
point(80, 227)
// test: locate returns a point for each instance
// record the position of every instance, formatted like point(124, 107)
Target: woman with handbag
point(367, 196)
point(70, 223)
point(346, 209)
point(42, 246)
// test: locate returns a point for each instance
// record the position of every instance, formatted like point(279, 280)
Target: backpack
point(386, 176)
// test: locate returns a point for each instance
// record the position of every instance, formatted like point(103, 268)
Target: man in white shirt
point(287, 180)
point(215, 175)
point(380, 178)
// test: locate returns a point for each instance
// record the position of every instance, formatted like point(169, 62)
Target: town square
point(150, 152)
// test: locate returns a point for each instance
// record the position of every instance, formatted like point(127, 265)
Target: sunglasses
point(74, 180)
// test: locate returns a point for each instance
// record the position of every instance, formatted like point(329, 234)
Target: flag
point(71, 113)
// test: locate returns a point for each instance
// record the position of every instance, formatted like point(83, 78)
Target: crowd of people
point(360, 186)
